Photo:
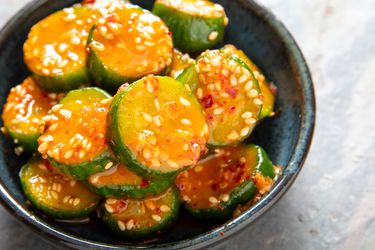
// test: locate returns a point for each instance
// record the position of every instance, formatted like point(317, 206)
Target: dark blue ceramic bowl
point(286, 137)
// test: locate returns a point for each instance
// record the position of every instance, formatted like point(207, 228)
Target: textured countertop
point(332, 203)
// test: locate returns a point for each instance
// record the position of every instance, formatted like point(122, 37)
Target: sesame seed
point(43, 147)
point(172, 164)
point(73, 56)
point(63, 63)
point(45, 71)
point(199, 93)
point(250, 121)
point(88, 147)
point(53, 127)
point(213, 35)
point(76, 201)
point(75, 40)
point(248, 86)
point(130, 224)
point(225, 197)
point(54, 194)
point(213, 200)
point(243, 79)
point(245, 131)
point(108, 208)
point(185, 147)
point(156, 217)
point(164, 208)
point(18, 150)
point(66, 199)
point(147, 117)
point(149, 87)
point(233, 80)
point(246, 115)
point(66, 113)
point(111, 201)
point(56, 108)
point(198, 168)
point(184, 102)
point(149, 44)
point(68, 154)
point(157, 121)
point(242, 159)
point(232, 136)
point(169, 61)
point(156, 103)
point(150, 205)
point(140, 48)
point(108, 165)
point(218, 111)
point(121, 225)
point(186, 122)
point(218, 86)
point(258, 101)
point(147, 153)
point(69, 17)
point(97, 46)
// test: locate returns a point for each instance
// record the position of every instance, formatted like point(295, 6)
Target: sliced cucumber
point(55, 50)
point(159, 137)
point(219, 183)
point(141, 219)
point(22, 114)
point(119, 182)
point(75, 136)
point(264, 85)
point(230, 96)
point(180, 62)
point(190, 77)
point(196, 25)
point(55, 194)
point(127, 45)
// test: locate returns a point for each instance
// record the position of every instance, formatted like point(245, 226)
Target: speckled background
point(332, 203)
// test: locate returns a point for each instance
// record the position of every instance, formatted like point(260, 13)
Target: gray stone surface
point(332, 203)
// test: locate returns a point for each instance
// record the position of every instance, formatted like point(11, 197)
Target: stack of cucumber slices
point(119, 118)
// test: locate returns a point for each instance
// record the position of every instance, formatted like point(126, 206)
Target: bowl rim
point(216, 235)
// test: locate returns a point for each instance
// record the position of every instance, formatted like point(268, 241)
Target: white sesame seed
point(81, 153)
point(69, 17)
point(149, 87)
point(62, 47)
point(185, 147)
point(147, 117)
point(245, 131)
point(43, 147)
point(164, 208)
point(111, 201)
point(258, 101)
point(218, 111)
point(18, 150)
point(108, 165)
point(53, 127)
point(73, 56)
point(246, 115)
point(63, 63)
point(68, 154)
point(198, 168)
point(157, 121)
point(225, 197)
point(157, 104)
point(243, 79)
point(56, 108)
point(121, 225)
point(147, 153)
point(242, 159)
point(66, 199)
point(184, 102)
point(172, 164)
point(248, 86)
point(108, 208)
point(156, 217)
point(140, 48)
point(232, 136)
point(233, 80)
point(45, 71)
point(76, 201)
point(250, 121)
point(213, 200)
point(213, 35)
point(199, 93)
point(54, 194)
point(65, 113)
point(186, 122)
point(130, 224)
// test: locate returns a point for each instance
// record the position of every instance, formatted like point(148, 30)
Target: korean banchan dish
point(120, 121)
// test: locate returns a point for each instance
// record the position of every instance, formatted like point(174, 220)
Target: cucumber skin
point(29, 142)
point(240, 195)
point(148, 232)
point(123, 153)
point(190, 77)
point(190, 33)
point(84, 170)
point(67, 82)
point(265, 166)
point(132, 191)
point(58, 214)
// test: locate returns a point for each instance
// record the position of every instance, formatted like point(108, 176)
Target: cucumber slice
point(54, 194)
point(230, 96)
point(134, 219)
point(159, 137)
point(119, 182)
point(190, 77)
point(74, 139)
point(127, 45)
point(55, 50)
point(264, 85)
point(22, 114)
point(219, 183)
point(196, 25)
point(180, 62)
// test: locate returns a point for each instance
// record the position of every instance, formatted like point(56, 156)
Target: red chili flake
point(248, 177)
point(90, 1)
point(222, 233)
point(120, 206)
point(207, 101)
point(232, 108)
point(49, 166)
point(170, 33)
point(231, 92)
point(210, 117)
point(111, 19)
point(273, 88)
point(261, 97)
point(144, 183)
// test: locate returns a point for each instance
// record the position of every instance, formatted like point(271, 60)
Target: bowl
point(286, 137)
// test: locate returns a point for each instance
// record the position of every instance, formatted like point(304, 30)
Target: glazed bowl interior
point(286, 137)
